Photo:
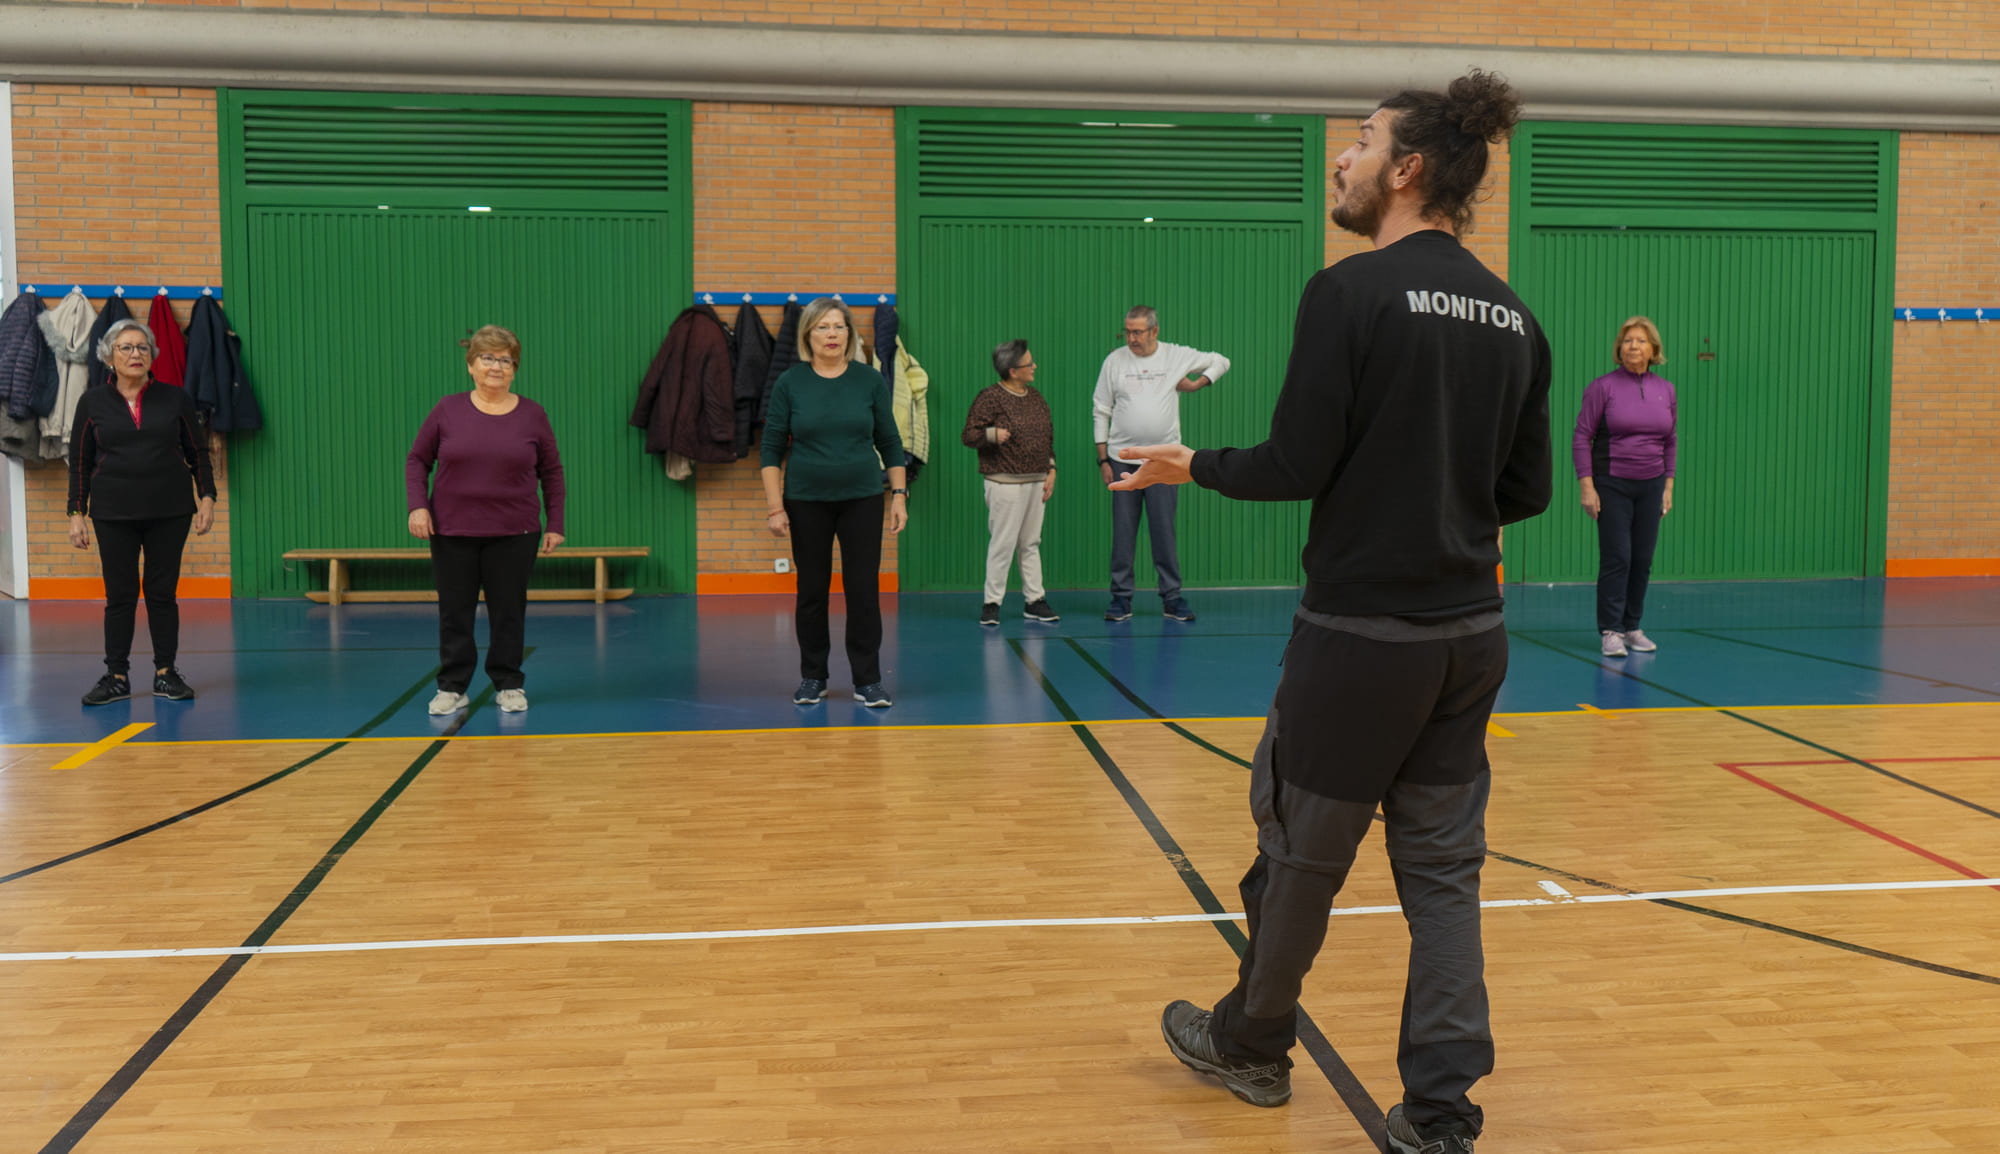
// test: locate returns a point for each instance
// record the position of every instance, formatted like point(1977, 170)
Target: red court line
point(1869, 760)
point(1863, 826)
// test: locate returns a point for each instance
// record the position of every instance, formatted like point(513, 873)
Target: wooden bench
point(337, 592)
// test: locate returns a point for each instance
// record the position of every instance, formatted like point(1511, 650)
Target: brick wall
point(787, 198)
point(1946, 424)
point(1936, 29)
point(115, 185)
point(1488, 238)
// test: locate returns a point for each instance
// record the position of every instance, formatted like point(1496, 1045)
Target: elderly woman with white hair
point(139, 472)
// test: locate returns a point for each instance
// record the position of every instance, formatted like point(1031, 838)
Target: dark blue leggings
point(1628, 526)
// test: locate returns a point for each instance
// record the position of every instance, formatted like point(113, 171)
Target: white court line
point(901, 927)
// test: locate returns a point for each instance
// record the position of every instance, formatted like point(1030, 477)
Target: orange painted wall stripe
point(728, 583)
point(1944, 567)
point(92, 588)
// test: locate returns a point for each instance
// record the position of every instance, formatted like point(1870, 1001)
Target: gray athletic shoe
point(1185, 1026)
point(1404, 1139)
point(447, 703)
point(1637, 641)
point(1614, 644)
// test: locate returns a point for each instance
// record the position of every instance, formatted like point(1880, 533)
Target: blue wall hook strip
point(53, 290)
point(1933, 313)
point(858, 300)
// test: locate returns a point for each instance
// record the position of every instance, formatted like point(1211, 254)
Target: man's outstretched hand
point(1158, 465)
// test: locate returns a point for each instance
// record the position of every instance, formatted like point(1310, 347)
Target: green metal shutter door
point(1764, 257)
point(1031, 225)
point(355, 267)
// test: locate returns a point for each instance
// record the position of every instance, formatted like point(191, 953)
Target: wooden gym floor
point(1743, 894)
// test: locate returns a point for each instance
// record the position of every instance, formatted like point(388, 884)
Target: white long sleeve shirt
point(1137, 401)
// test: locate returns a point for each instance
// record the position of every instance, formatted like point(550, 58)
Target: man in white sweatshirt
point(1138, 402)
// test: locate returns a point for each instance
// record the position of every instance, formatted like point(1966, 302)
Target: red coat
point(685, 402)
point(171, 365)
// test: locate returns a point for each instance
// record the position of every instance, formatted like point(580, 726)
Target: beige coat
point(67, 329)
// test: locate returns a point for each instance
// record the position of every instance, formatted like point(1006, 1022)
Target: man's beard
point(1361, 210)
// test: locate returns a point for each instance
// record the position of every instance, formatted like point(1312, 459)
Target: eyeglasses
point(1132, 334)
point(488, 360)
point(1023, 365)
point(132, 350)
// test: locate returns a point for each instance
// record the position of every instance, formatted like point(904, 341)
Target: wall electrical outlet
point(782, 565)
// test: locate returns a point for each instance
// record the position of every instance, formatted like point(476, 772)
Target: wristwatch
point(904, 492)
point(1104, 460)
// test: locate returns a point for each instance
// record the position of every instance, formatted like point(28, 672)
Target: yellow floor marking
point(1496, 730)
point(1586, 708)
point(103, 744)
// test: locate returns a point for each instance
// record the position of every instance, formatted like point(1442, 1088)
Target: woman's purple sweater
point(488, 468)
point(1639, 412)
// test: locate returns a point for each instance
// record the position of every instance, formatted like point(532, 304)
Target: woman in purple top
point(491, 449)
point(1624, 449)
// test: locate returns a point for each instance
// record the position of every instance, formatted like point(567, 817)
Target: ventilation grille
point(428, 147)
point(1644, 172)
point(1028, 161)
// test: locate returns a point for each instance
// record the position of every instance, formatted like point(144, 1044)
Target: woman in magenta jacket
point(1624, 450)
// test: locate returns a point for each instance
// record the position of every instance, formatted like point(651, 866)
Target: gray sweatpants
point(1359, 722)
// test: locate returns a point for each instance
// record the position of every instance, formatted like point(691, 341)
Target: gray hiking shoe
point(1404, 1139)
point(1185, 1026)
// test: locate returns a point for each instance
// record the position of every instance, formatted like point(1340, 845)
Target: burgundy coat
point(685, 403)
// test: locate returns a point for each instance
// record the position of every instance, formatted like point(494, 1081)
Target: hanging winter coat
point(20, 346)
point(66, 328)
point(215, 376)
point(909, 388)
point(886, 323)
point(753, 361)
point(784, 354)
point(170, 366)
point(685, 401)
point(115, 310)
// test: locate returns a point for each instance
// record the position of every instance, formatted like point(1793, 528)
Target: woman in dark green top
point(832, 415)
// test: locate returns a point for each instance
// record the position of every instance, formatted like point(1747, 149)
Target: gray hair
point(1143, 313)
point(1008, 355)
point(110, 338)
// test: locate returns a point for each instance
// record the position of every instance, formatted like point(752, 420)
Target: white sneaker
point(1614, 644)
point(512, 700)
point(447, 703)
point(1638, 642)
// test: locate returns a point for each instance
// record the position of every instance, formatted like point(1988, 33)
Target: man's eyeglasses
point(488, 360)
point(1135, 334)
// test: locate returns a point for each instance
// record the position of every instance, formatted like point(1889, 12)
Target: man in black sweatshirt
point(1414, 416)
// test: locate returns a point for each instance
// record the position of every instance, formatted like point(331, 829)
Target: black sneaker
point(1185, 1026)
point(170, 686)
point(810, 691)
point(109, 688)
point(989, 613)
point(1177, 609)
point(874, 695)
point(1039, 610)
point(1119, 610)
point(1404, 1139)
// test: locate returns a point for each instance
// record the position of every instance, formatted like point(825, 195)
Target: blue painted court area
point(292, 669)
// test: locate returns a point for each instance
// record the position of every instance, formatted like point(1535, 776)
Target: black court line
point(1360, 1103)
point(1717, 635)
point(1672, 903)
point(1141, 702)
point(1913, 783)
point(1753, 923)
point(136, 1066)
point(226, 798)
